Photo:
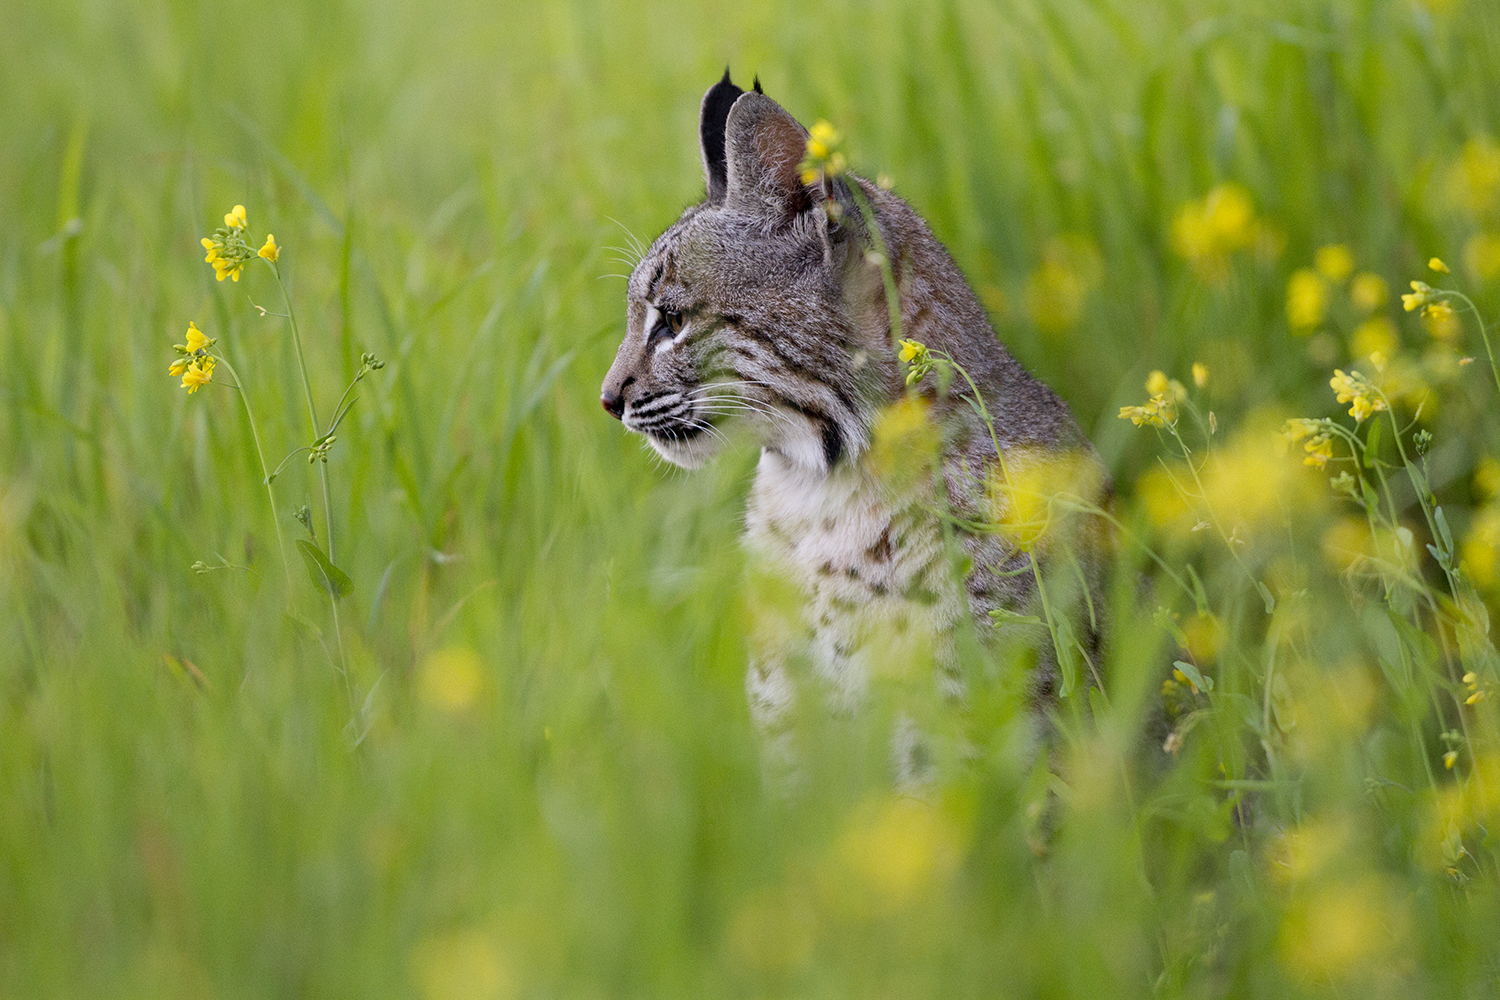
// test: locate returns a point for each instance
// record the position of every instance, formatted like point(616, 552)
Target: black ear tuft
point(757, 84)
point(716, 104)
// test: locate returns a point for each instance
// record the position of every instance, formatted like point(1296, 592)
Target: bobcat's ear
point(716, 104)
point(765, 147)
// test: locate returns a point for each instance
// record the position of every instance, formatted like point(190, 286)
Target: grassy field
point(518, 763)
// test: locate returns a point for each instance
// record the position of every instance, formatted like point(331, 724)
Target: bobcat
point(764, 306)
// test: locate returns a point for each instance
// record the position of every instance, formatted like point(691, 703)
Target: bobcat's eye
point(674, 321)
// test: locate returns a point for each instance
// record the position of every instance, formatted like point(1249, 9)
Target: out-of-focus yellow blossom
point(1162, 501)
point(823, 157)
point(1022, 495)
point(270, 251)
point(451, 679)
point(894, 850)
point(1158, 411)
point(1474, 180)
point(1057, 291)
point(1319, 450)
point(1487, 478)
point(1436, 264)
point(1200, 374)
point(1297, 428)
point(773, 930)
point(1368, 292)
point(1205, 637)
point(1346, 542)
point(1479, 552)
point(1441, 321)
point(236, 218)
point(1355, 389)
point(1482, 256)
point(1376, 335)
point(1306, 299)
point(1345, 929)
point(1335, 261)
point(1158, 384)
point(1208, 230)
point(1461, 808)
point(1450, 758)
point(464, 965)
point(904, 441)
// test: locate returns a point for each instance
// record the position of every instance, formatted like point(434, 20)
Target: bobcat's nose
point(613, 402)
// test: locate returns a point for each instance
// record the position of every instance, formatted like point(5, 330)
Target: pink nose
point(614, 403)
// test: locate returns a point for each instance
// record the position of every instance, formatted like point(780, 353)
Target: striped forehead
point(658, 261)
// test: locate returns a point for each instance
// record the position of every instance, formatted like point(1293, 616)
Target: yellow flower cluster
point(1161, 409)
point(1206, 231)
point(918, 360)
point(196, 365)
point(1355, 389)
point(1310, 300)
point(1318, 440)
point(1477, 691)
point(229, 248)
point(823, 157)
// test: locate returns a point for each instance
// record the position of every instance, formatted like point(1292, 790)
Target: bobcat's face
point(740, 313)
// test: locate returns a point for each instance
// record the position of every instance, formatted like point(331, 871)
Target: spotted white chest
point(874, 581)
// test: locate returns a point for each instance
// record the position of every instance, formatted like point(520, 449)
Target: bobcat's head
point(756, 307)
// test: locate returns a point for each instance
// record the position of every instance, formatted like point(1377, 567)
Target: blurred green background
point(538, 777)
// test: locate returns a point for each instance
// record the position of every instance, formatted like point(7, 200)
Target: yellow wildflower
point(1334, 262)
point(1207, 230)
point(1450, 758)
point(1421, 295)
point(193, 352)
point(1355, 389)
point(1480, 553)
point(1482, 256)
point(1158, 411)
point(270, 251)
point(1200, 374)
point(1474, 181)
point(1441, 321)
point(1437, 265)
point(236, 218)
point(1376, 335)
point(823, 158)
point(1306, 299)
point(1297, 428)
point(1157, 384)
point(198, 374)
point(1368, 292)
point(1319, 450)
point(1487, 478)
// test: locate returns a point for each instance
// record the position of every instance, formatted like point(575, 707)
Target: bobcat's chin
point(689, 451)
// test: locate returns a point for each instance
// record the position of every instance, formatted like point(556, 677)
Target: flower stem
point(265, 474)
point(312, 416)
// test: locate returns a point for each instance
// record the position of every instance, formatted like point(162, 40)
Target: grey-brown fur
point(762, 307)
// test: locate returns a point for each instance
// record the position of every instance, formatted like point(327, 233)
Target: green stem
point(1483, 333)
point(312, 409)
point(264, 472)
point(887, 275)
point(312, 415)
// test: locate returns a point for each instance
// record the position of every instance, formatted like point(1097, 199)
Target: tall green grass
point(558, 791)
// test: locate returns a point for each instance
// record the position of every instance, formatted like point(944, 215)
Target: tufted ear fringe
point(711, 120)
